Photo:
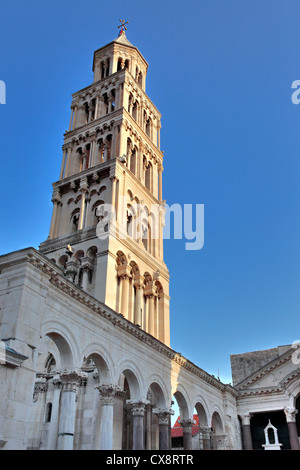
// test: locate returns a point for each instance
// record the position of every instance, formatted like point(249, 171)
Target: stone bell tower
point(112, 158)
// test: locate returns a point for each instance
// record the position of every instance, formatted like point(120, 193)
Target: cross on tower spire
point(122, 26)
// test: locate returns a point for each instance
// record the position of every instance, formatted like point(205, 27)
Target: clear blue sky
point(220, 72)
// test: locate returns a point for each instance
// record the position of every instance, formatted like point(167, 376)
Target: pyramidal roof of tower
point(122, 39)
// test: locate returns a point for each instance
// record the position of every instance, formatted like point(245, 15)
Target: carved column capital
point(137, 407)
point(70, 379)
point(86, 263)
point(290, 414)
point(124, 271)
point(150, 290)
point(205, 431)
point(187, 424)
point(246, 419)
point(163, 415)
point(107, 393)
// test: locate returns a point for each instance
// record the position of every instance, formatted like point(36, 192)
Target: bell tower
point(106, 230)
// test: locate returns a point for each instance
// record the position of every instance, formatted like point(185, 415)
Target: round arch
point(159, 391)
point(102, 360)
point(125, 369)
point(65, 346)
point(183, 402)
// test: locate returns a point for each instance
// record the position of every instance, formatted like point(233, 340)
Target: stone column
point(122, 140)
point(138, 304)
point(74, 117)
point(160, 170)
point(124, 275)
point(56, 199)
point(96, 107)
point(86, 266)
point(53, 428)
point(113, 193)
point(107, 393)
point(151, 314)
point(68, 161)
point(187, 425)
point(164, 427)
point(71, 269)
point(158, 134)
point(206, 434)
point(149, 293)
point(290, 414)
point(101, 107)
point(70, 382)
point(90, 112)
point(149, 426)
point(138, 411)
point(248, 445)
point(83, 189)
point(71, 117)
point(124, 295)
point(62, 169)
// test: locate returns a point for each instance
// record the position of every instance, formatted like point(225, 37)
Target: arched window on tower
point(140, 79)
point(105, 103)
point(119, 66)
point(96, 209)
point(148, 176)
point(48, 412)
point(145, 234)
point(133, 161)
point(135, 110)
point(148, 127)
point(75, 220)
point(113, 100)
point(130, 103)
point(108, 144)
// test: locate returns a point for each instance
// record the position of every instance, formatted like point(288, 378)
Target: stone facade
point(100, 373)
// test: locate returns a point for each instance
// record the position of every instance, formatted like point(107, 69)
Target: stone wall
point(245, 364)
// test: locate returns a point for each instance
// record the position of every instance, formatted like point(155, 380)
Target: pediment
point(274, 376)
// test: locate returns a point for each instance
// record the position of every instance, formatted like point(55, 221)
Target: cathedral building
point(85, 352)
